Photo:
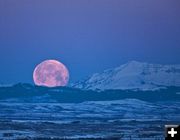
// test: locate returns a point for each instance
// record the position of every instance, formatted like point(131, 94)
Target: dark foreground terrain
point(128, 118)
point(43, 116)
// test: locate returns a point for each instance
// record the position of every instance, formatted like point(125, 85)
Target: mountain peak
point(133, 62)
point(134, 75)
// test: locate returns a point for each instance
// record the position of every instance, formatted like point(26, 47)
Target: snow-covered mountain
point(134, 75)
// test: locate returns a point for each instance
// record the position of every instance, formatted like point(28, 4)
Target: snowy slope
point(134, 75)
point(93, 119)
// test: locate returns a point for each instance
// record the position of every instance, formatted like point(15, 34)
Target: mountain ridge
point(133, 75)
point(27, 93)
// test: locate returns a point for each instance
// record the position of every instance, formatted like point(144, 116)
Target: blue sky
point(86, 35)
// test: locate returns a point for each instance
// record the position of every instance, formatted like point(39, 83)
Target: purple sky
point(86, 35)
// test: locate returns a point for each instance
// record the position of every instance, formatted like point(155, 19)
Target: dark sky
point(86, 35)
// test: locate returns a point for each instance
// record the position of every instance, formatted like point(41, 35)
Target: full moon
point(51, 73)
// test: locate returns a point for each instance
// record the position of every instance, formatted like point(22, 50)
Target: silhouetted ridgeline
point(30, 93)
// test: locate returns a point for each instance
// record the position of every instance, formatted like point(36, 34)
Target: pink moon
point(51, 73)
